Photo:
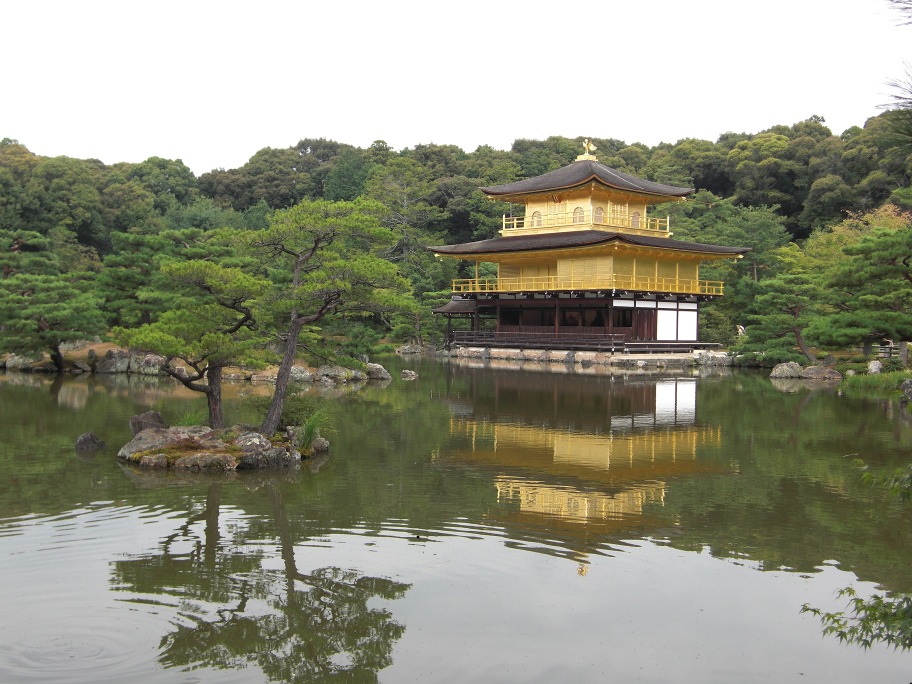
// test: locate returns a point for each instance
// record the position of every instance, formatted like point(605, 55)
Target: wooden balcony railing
point(596, 340)
point(584, 220)
point(581, 283)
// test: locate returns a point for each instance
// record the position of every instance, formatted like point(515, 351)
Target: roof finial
point(588, 149)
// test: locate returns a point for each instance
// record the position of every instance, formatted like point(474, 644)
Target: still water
point(474, 525)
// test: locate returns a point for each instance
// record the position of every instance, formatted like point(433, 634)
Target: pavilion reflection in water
point(598, 451)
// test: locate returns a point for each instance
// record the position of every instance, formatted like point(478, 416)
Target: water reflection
point(236, 608)
point(593, 458)
point(699, 516)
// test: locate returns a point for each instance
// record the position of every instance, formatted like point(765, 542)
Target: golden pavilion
point(585, 266)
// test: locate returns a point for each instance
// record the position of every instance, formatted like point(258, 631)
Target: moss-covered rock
point(200, 448)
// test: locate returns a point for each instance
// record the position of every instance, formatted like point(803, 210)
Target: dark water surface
point(474, 525)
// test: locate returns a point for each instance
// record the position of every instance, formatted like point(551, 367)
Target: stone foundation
point(585, 362)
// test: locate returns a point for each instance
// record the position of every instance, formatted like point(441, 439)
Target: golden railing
point(630, 223)
point(565, 283)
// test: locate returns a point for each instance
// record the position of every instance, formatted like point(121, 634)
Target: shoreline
point(585, 362)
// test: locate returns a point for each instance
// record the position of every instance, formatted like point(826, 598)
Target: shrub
point(402, 332)
point(311, 414)
point(892, 364)
point(361, 341)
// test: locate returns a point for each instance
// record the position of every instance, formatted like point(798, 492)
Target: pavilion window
point(622, 318)
point(635, 220)
point(536, 219)
point(599, 216)
point(578, 215)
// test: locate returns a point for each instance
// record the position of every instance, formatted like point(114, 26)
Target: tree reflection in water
point(296, 626)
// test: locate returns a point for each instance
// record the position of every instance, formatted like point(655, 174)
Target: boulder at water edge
point(377, 372)
point(338, 375)
point(820, 373)
point(114, 361)
point(906, 389)
point(786, 370)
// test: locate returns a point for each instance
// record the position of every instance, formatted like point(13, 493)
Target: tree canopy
point(113, 228)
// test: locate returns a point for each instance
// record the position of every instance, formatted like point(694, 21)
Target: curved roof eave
point(583, 238)
point(580, 173)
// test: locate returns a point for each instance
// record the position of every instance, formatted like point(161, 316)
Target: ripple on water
point(97, 647)
point(60, 621)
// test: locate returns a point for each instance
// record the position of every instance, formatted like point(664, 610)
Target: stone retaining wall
point(582, 361)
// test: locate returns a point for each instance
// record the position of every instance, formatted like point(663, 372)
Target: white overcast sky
point(213, 82)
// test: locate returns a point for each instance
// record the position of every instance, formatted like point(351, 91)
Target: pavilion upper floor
point(585, 195)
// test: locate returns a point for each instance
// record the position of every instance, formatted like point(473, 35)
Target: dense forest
point(88, 248)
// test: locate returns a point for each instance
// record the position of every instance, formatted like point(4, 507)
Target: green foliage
point(191, 417)
point(717, 221)
point(313, 416)
point(407, 191)
point(40, 312)
point(207, 334)
point(900, 114)
point(318, 424)
point(25, 251)
point(879, 384)
point(717, 325)
point(215, 330)
point(773, 352)
point(892, 365)
point(402, 332)
point(872, 284)
point(203, 214)
point(169, 181)
point(347, 178)
point(66, 192)
point(128, 205)
point(759, 190)
point(786, 305)
point(361, 341)
point(136, 289)
point(899, 482)
point(326, 259)
point(878, 619)
point(827, 200)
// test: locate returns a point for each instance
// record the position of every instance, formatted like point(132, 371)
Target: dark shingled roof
point(579, 238)
point(457, 306)
point(581, 172)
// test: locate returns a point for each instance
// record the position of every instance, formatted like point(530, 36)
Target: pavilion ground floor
point(612, 322)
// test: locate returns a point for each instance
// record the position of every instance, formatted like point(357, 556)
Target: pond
point(475, 524)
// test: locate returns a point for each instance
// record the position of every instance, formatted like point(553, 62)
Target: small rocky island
point(201, 448)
